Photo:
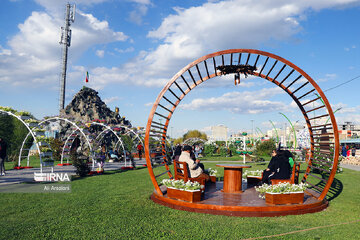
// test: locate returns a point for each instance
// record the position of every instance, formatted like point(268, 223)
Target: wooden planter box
point(184, 195)
point(213, 179)
point(284, 198)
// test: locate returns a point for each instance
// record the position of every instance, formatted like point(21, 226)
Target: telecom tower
point(65, 41)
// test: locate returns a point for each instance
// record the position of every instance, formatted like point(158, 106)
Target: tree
point(265, 148)
point(194, 134)
point(13, 132)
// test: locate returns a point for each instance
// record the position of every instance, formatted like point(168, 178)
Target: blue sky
point(131, 48)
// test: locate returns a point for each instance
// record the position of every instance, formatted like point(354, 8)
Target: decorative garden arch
point(30, 132)
point(111, 130)
point(77, 128)
point(108, 129)
point(194, 140)
point(136, 135)
point(324, 151)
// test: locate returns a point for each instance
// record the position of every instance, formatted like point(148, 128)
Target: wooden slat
point(165, 108)
point(279, 72)
point(324, 143)
point(314, 109)
point(311, 101)
point(320, 161)
point(287, 76)
point(320, 126)
point(185, 81)
point(214, 66)
point(179, 88)
point(319, 168)
point(155, 131)
point(161, 115)
point(325, 115)
point(314, 186)
point(239, 60)
point(222, 59)
point(318, 153)
point(247, 60)
point(306, 94)
point(300, 87)
point(174, 94)
point(207, 70)
point(271, 69)
point(231, 59)
point(192, 77)
point(197, 68)
point(156, 135)
point(257, 58)
point(169, 101)
point(267, 59)
point(293, 82)
point(317, 177)
point(160, 124)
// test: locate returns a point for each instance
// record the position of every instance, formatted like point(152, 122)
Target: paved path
point(352, 167)
point(27, 175)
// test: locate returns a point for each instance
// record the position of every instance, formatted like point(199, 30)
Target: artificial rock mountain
point(87, 106)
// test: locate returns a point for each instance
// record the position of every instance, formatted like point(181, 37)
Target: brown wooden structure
point(232, 177)
point(299, 86)
point(181, 171)
point(294, 178)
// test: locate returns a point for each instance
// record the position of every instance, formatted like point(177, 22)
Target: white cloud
point(191, 33)
point(111, 99)
point(149, 104)
point(136, 15)
point(349, 48)
point(100, 53)
point(126, 50)
point(34, 54)
point(241, 102)
point(327, 77)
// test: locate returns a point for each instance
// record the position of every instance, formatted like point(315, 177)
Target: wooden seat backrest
point(294, 179)
point(181, 171)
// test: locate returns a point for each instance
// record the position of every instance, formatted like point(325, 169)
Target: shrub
point(56, 147)
point(264, 148)
point(80, 163)
point(209, 149)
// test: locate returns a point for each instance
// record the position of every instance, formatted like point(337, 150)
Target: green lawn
point(34, 162)
point(232, 158)
point(116, 205)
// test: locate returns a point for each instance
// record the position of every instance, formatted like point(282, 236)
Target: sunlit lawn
point(116, 205)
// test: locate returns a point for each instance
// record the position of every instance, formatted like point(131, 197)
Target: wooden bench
point(294, 178)
point(181, 171)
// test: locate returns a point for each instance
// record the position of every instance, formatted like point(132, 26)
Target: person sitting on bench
point(194, 166)
point(278, 168)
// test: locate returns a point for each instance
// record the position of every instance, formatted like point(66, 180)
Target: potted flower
point(178, 189)
point(24, 115)
point(213, 174)
point(283, 193)
point(253, 177)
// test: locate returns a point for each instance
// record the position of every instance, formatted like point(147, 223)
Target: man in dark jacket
point(2, 156)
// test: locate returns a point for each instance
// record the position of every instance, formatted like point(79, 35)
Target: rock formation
point(87, 106)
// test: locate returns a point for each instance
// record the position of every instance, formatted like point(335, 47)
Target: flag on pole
point(87, 76)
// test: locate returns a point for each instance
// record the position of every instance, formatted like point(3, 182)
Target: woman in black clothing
point(278, 168)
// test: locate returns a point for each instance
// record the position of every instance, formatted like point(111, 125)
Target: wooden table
point(232, 177)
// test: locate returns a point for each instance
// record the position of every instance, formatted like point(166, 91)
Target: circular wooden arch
point(304, 91)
